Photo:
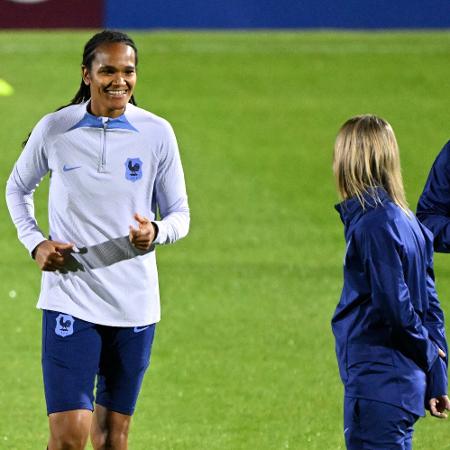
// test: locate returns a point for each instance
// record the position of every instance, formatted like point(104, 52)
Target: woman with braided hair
point(117, 191)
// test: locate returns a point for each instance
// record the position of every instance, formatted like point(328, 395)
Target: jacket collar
point(352, 209)
point(91, 121)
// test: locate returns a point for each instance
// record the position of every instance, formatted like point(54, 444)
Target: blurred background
point(256, 91)
point(233, 14)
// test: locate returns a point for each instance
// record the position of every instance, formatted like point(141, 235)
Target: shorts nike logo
point(139, 329)
point(66, 168)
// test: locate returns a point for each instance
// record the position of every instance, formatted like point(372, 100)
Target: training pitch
point(244, 356)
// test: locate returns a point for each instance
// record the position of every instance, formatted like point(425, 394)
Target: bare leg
point(69, 430)
point(109, 429)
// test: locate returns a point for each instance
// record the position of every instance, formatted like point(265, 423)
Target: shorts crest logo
point(133, 169)
point(64, 325)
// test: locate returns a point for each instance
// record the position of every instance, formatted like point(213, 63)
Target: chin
point(119, 104)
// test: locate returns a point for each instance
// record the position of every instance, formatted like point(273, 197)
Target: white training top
point(102, 172)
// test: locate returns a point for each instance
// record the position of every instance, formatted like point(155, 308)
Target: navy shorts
point(372, 425)
point(76, 353)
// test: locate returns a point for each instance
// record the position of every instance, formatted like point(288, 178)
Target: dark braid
point(104, 37)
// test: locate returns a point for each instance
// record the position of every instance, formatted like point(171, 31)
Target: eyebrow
point(107, 67)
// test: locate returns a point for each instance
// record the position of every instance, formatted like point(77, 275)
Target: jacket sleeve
point(433, 209)
point(390, 295)
point(26, 175)
point(171, 196)
point(437, 378)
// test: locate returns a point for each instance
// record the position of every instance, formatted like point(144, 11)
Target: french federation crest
point(133, 169)
point(64, 325)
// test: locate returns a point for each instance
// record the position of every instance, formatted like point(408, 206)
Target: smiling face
point(111, 79)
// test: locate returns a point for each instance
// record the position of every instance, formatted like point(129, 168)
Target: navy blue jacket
point(433, 209)
point(388, 324)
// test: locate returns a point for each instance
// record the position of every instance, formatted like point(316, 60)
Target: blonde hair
point(366, 156)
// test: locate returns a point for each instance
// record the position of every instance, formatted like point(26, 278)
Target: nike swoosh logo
point(67, 169)
point(139, 329)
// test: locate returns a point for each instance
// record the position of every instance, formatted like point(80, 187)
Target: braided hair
point(104, 37)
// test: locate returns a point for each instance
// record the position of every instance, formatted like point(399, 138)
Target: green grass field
point(244, 356)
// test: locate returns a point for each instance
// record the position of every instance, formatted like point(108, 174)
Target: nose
point(119, 79)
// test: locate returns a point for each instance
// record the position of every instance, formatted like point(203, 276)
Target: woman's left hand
point(439, 405)
point(143, 236)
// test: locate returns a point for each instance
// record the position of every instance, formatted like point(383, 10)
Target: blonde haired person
point(388, 325)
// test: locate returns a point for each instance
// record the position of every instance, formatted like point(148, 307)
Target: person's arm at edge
point(433, 208)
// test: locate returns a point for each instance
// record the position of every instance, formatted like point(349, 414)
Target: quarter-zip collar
point(91, 121)
point(351, 209)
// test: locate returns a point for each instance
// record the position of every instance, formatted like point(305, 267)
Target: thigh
point(375, 425)
point(352, 431)
point(124, 359)
point(70, 359)
point(409, 436)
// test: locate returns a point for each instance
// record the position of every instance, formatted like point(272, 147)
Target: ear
point(85, 75)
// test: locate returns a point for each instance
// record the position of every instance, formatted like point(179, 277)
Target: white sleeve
point(171, 196)
point(28, 171)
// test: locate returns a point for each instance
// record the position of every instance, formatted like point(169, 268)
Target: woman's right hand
point(51, 255)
